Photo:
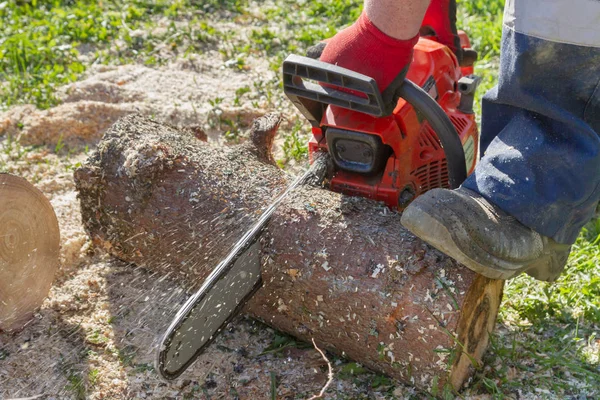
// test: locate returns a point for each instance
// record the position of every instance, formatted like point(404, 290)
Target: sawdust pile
point(193, 92)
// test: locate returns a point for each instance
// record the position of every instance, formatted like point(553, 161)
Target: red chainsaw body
point(417, 161)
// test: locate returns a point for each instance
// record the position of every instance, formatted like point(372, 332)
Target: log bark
point(338, 269)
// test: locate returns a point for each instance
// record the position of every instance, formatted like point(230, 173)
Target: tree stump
point(338, 269)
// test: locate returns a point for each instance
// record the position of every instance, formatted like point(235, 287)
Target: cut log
point(29, 250)
point(338, 269)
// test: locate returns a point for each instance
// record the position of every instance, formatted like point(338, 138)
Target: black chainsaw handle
point(302, 78)
point(423, 103)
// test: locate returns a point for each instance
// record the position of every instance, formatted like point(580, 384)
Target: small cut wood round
point(29, 250)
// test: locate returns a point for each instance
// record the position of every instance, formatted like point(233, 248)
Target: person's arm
point(380, 43)
point(400, 19)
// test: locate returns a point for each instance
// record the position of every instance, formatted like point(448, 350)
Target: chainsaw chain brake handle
point(302, 79)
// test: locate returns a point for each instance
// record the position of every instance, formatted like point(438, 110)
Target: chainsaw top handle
point(301, 73)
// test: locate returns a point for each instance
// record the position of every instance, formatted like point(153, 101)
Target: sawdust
point(179, 94)
point(100, 329)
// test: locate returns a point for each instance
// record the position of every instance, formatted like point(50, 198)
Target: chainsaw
point(430, 140)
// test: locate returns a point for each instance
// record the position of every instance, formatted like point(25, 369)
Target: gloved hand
point(363, 48)
point(362, 42)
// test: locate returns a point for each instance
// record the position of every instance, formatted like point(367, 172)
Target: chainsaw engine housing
point(397, 157)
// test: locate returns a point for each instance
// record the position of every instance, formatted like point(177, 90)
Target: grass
point(39, 50)
point(281, 342)
point(76, 379)
point(76, 385)
point(547, 343)
point(93, 376)
point(295, 144)
point(550, 332)
point(46, 44)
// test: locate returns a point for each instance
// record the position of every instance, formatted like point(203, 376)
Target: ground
point(70, 69)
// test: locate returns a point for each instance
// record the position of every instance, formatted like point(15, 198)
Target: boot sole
point(416, 219)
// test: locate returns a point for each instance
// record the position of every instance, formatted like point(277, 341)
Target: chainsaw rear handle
point(301, 84)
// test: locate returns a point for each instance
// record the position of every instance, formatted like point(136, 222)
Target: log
point(29, 251)
point(338, 269)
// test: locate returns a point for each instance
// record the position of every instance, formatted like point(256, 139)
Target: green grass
point(76, 385)
point(550, 332)
point(42, 42)
point(281, 342)
point(295, 144)
point(482, 21)
point(46, 44)
point(93, 376)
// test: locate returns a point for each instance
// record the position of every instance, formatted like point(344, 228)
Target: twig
point(329, 374)
point(29, 398)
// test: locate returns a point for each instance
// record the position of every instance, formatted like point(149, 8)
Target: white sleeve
point(565, 21)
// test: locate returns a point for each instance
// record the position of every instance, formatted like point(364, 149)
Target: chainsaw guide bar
point(225, 291)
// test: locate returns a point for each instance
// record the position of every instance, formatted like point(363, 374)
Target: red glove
point(363, 48)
